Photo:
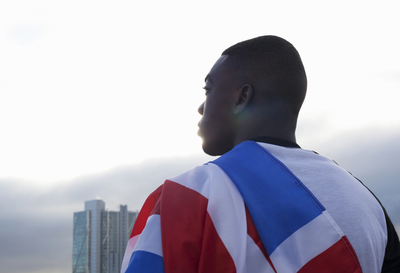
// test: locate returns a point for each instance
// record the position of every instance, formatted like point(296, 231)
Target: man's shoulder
point(203, 174)
point(200, 178)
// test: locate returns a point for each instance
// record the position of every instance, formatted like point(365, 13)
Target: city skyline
point(100, 237)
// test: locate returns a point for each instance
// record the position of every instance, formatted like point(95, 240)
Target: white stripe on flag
point(196, 179)
point(255, 259)
point(307, 242)
point(225, 207)
point(128, 252)
point(227, 211)
point(150, 238)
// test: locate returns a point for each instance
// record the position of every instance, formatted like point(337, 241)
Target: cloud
point(36, 223)
point(36, 243)
point(391, 75)
point(24, 34)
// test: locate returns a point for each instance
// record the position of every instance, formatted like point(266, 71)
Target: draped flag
point(244, 212)
point(148, 254)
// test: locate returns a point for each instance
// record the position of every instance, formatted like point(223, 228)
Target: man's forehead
point(218, 65)
point(221, 60)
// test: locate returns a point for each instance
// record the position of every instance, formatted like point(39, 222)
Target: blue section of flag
point(145, 262)
point(278, 202)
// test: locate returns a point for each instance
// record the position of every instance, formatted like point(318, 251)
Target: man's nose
point(201, 109)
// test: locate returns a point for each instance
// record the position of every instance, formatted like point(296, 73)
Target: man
point(265, 205)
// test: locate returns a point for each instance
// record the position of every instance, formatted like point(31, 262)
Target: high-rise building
point(81, 251)
point(100, 237)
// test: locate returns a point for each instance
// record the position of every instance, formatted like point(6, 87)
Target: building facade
point(100, 237)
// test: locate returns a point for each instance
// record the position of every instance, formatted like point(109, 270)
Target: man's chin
point(210, 151)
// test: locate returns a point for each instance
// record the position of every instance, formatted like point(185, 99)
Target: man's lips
point(198, 130)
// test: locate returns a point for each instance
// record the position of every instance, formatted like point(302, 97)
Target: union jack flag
point(244, 212)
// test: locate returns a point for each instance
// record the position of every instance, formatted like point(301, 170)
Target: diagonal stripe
point(338, 258)
point(140, 224)
point(214, 256)
point(273, 195)
point(252, 232)
point(128, 252)
point(255, 259)
point(190, 240)
point(150, 239)
point(183, 214)
point(196, 179)
point(225, 206)
point(227, 211)
point(303, 245)
point(146, 211)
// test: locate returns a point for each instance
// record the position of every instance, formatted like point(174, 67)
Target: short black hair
point(273, 60)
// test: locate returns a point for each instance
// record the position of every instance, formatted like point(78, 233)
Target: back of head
point(273, 67)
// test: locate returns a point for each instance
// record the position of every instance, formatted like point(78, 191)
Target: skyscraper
point(100, 238)
point(80, 250)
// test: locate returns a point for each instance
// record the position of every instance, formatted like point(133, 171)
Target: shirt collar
point(276, 141)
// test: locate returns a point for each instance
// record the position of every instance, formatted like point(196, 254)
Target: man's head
point(256, 88)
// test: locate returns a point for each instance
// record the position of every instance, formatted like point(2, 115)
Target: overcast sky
point(96, 96)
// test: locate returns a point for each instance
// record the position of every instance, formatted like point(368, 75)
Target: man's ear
point(245, 95)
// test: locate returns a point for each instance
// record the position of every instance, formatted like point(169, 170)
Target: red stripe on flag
point(214, 257)
point(340, 257)
point(252, 232)
point(157, 206)
point(146, 211)
point(190, 240)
